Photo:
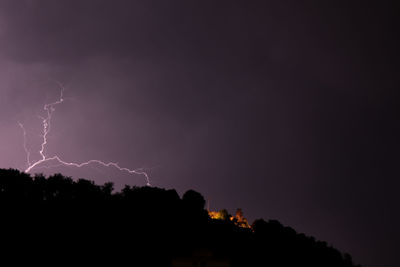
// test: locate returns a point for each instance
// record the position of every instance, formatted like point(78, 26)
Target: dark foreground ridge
point(58, 220)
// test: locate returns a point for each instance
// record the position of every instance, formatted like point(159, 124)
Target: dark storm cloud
point(286, 109)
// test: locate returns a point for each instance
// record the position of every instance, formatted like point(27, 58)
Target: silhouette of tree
point(194, 200)
point(142, 225)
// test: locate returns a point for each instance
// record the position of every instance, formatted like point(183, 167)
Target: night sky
point(286, 109)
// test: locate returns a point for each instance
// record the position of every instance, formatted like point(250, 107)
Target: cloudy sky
point(287, 110)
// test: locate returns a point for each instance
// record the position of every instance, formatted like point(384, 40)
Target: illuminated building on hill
point(238, 219)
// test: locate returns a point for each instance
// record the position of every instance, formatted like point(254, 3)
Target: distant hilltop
point(58, 219)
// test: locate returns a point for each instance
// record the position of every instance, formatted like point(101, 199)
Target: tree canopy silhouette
point(77, 220)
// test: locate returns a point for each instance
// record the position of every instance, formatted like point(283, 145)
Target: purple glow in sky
point(286, 109)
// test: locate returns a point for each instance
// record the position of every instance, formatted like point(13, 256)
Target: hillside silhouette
point(57, 220)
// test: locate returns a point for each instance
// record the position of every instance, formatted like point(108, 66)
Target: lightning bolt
point(27, 152)
point(46, 125)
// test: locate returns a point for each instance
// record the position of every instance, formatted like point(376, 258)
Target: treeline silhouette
point(58, 220)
